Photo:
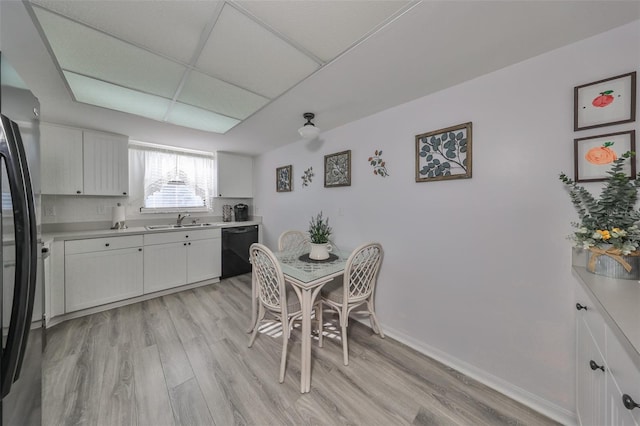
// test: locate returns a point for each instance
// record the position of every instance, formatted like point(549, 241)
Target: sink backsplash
point(93, 211)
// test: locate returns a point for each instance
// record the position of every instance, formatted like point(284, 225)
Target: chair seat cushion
point(333, 290)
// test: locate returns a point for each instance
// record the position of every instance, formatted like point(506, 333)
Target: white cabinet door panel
point(204, 260)
point(61, 157)
point(96, 278)
point(165, 266)
point(590, 383)
point(106, 164)
point(235, 175)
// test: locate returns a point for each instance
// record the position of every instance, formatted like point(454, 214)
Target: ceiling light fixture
point(309, 130)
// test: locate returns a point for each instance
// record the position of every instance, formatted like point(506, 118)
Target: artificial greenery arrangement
point(319, 229)
point(608, 225)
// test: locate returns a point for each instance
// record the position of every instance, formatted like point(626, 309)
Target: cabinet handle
point(184, 244)
point(186, 236)
point(579, 306)
point(124, 193)
point(595, 366)
point(78, 192)
point(107, 244)
point(189, 243)
point(139, 249)
point(629, 403)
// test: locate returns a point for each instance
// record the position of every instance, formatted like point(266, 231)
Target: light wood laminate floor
point(183, 359)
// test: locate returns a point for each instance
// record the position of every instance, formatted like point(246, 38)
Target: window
point(172, 180)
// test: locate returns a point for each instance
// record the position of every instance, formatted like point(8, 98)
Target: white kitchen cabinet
point(604, 371)
point(106, 164)
point(102, 270)
point(204, 259)
point(83, 162)
point(165, 266)
point(61, 157)
point(175, 258)
point(235, 175)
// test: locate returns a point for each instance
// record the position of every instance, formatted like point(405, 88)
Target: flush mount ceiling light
point(309, 130)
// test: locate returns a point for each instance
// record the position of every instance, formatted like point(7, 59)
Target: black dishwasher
point(235, 249)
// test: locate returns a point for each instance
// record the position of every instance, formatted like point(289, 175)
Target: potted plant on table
point(319, 232)
point(608, 226)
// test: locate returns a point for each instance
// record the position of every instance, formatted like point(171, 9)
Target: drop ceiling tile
point(324, 28)
point(85, 51)
point(172, 28)
point(96, 92)
point(197, 118)
point(215, 95)
point(244, 53)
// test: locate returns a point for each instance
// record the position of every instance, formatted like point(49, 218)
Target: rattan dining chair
point(356, 289)
point(293, 240)
point(273, 297)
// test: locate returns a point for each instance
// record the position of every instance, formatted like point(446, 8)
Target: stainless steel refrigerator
point(21, 293)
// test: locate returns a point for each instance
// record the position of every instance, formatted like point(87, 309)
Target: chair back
point(269, 277)
point(361, 272)
point(293, 240)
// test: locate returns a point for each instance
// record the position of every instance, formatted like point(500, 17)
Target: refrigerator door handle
point(33, 243)
point(19, 323)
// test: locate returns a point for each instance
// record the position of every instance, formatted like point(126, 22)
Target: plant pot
point(612, 264)
point(320, 251)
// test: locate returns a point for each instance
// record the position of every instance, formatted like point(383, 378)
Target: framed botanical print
point(605, 102)
point(593, 155)
point(283, 178)
point(337, 169)
point(444, 154)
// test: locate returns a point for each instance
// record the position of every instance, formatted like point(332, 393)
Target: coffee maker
point(241, 212)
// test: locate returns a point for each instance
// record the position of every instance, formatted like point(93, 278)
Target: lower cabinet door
point(591, 378)
point(165, 266)
point(618, 414)
point(96, 278)
point(204, 260)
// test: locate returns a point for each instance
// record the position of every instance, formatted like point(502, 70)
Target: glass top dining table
point(308, 271)
point(307, 278)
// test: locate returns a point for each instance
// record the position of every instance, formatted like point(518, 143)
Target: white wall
point(476, 271)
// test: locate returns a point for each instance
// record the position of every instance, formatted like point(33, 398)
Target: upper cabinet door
point(235, 175)
point(106, 164)
point(61, 153)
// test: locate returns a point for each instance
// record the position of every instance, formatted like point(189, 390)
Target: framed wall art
point(444, 154)
point(337, 169)
point(594, 154)
point(605, 102)
point(283, 179)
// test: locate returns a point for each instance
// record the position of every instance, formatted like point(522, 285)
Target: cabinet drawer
point(591, 317)
point(178, 236)
point(100, 244)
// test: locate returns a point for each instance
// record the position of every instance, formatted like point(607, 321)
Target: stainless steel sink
point(188, 226)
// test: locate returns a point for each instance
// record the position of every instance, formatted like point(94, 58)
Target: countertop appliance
point(20, 300)
point(235, 249)
point(241, 212)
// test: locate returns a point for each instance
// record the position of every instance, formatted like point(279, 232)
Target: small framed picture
point(605, 102)
point(283, 179)
point(444, 154)
point(594, 155)
point(337, 169)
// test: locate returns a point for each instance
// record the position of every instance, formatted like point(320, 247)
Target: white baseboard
point(525, 397)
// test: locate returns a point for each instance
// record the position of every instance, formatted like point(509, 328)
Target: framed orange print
point(595, 154)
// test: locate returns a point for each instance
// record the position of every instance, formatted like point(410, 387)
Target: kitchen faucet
point(181, 218)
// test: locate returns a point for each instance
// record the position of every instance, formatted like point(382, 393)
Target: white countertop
point(136, 230)
point(619, 303)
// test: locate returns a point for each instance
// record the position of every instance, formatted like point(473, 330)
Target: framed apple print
point(594, 155)
point(283, 179)
point(605, 102)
